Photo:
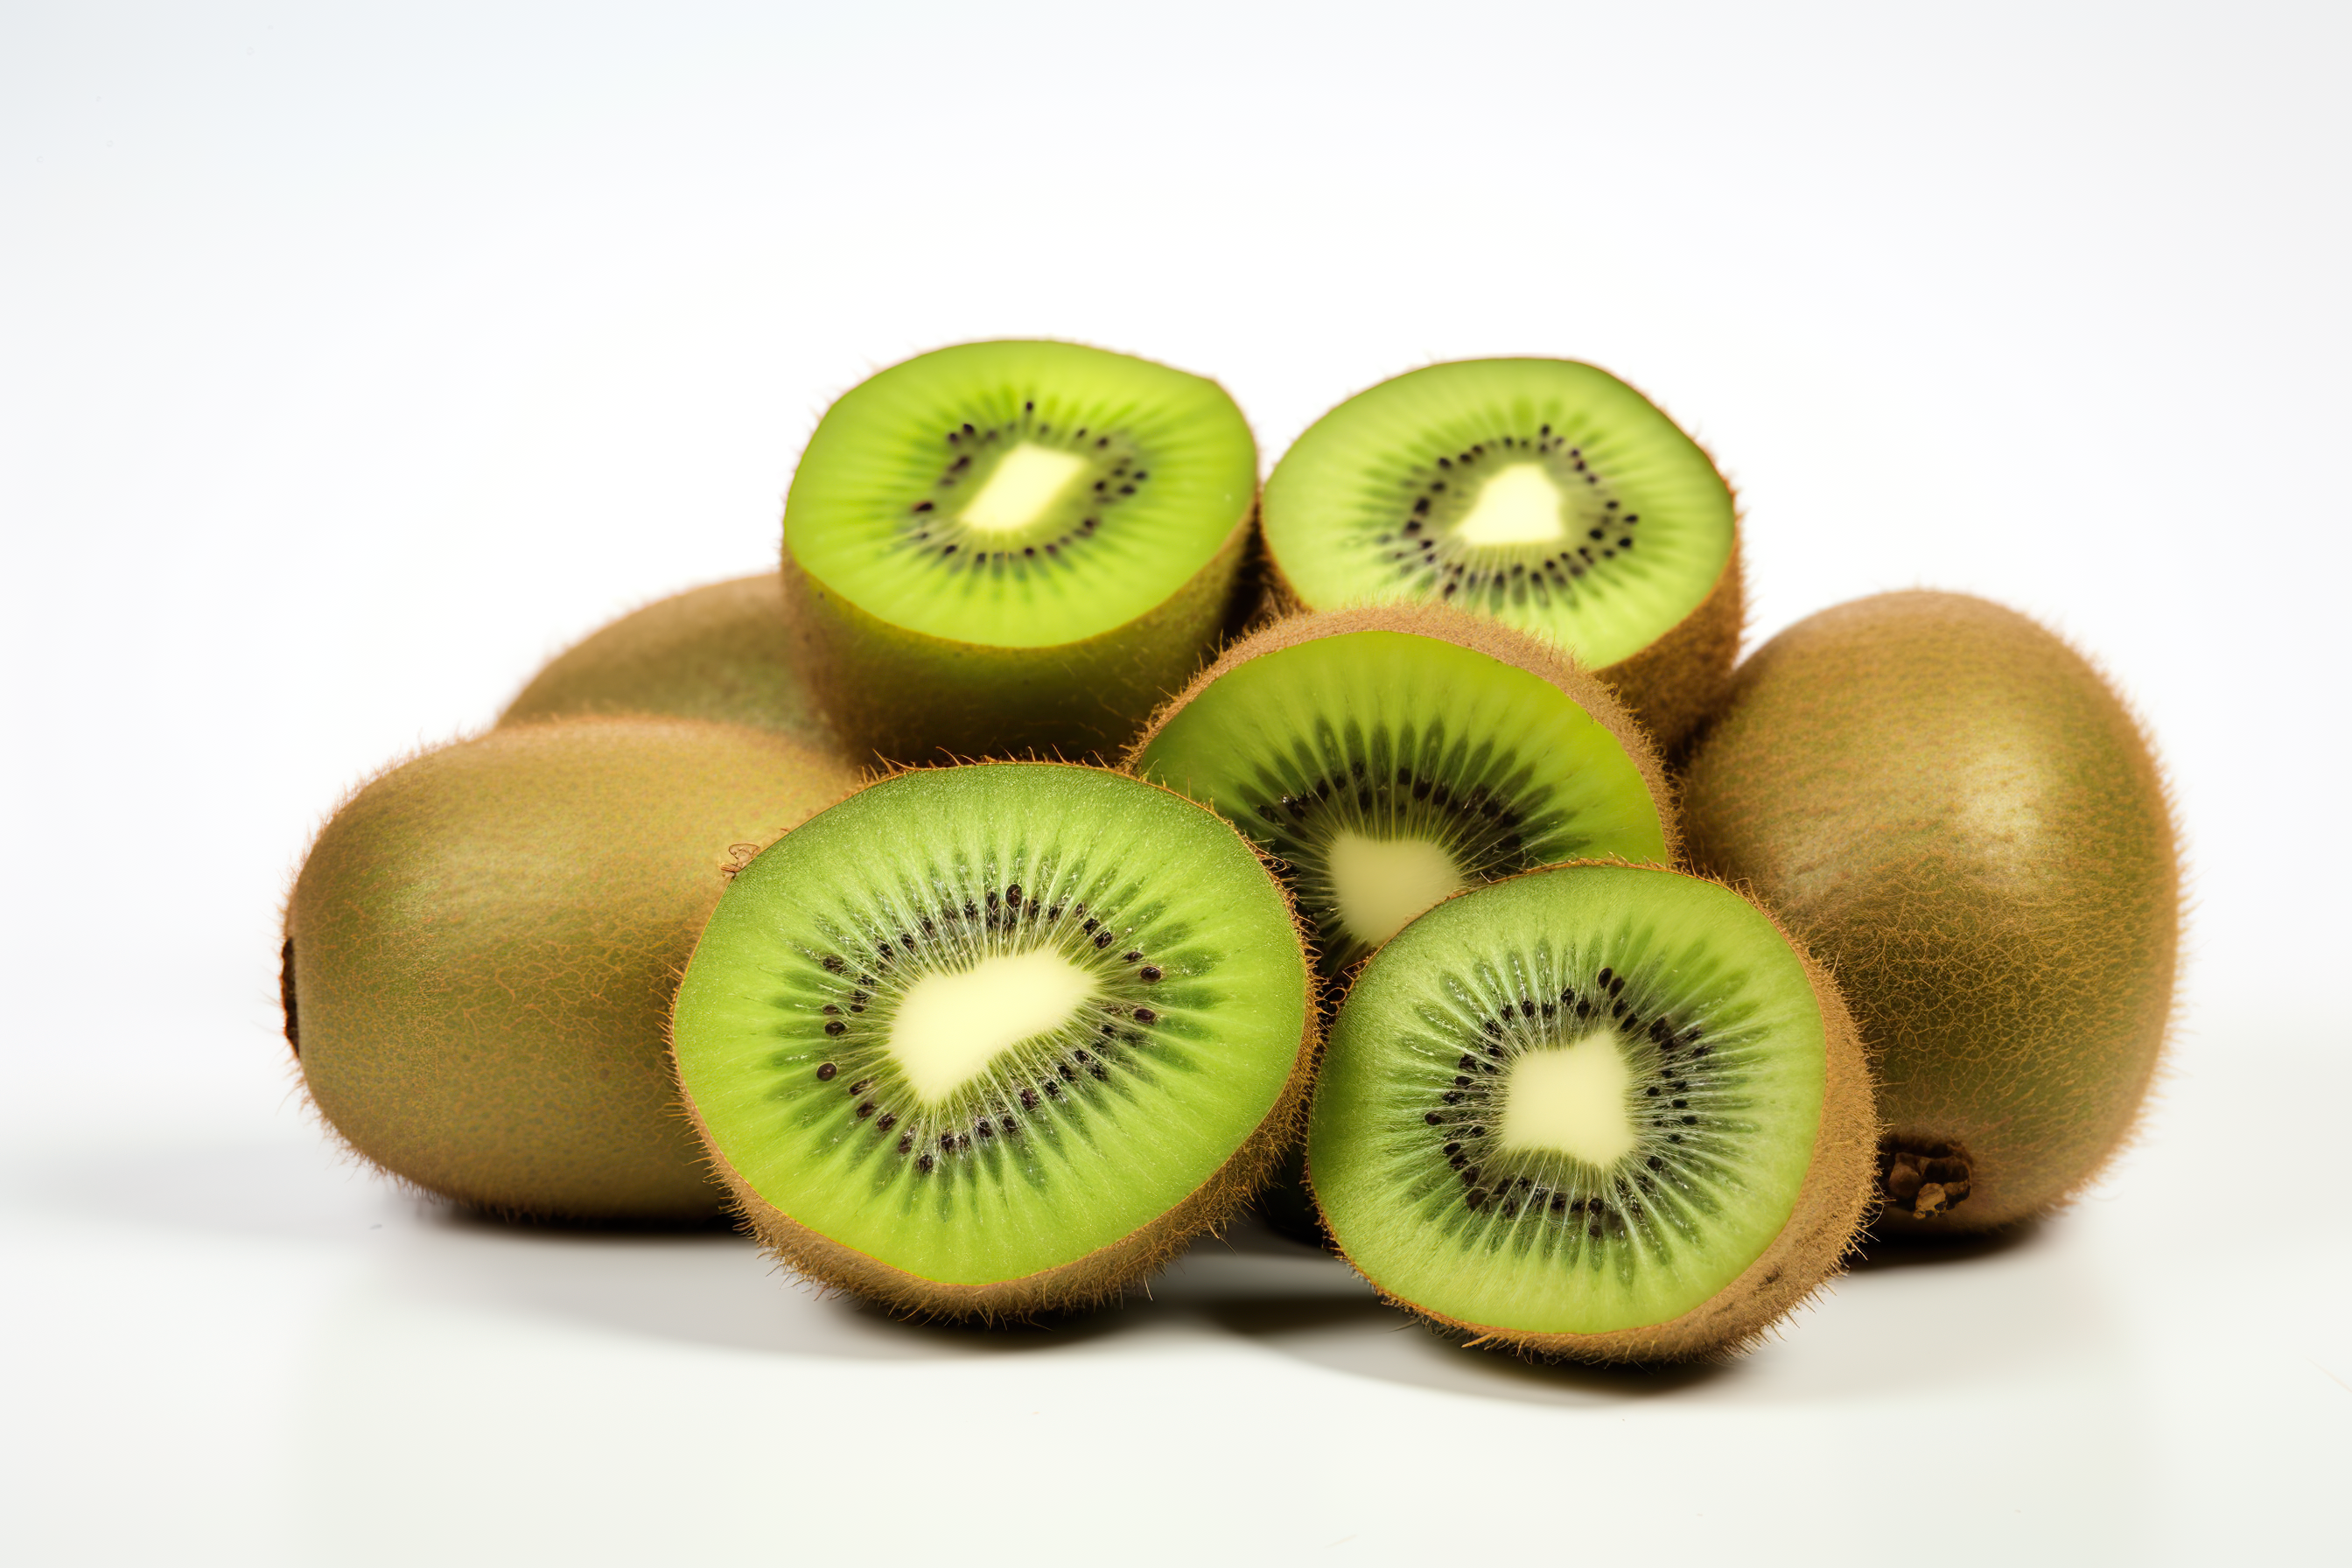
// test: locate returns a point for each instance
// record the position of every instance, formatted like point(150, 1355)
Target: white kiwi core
point(1025, 483)
point(952, 1023)
point(1384, 882)
point(1571, 1099)
point(1519, 505)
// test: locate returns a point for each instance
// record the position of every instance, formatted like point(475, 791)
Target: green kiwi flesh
point(1544, 494)
point(1602, 1111)
point(1388, 757)
point(724, 651)
point(1959, 814)
point(480, 950)
point(1004, 548)
point(987, 1040)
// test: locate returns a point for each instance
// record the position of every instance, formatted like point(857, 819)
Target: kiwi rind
point(910, 698)
point(479, 950)
point(1824, 1227)
point(911, 693)
point(1542, 660)
point(724, 651)
point(1962, 816)
point(1675, 683)
point(1099, 1277)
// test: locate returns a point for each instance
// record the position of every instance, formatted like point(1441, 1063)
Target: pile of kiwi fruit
point(1073, 842)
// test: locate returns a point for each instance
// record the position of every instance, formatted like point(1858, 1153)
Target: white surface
point(355, 361)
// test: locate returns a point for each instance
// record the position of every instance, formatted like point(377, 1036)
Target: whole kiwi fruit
point(1961, 817)
point(482, 948)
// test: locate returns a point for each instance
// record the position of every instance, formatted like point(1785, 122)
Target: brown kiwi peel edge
point(1098, 1278)
point(1824, 1227)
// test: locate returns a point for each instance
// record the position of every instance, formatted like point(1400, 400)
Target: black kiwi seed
point(1146, 1015)
point(824, 1072)
point(1150, 975)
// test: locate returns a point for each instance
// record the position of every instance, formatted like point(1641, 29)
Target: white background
point(353, 360)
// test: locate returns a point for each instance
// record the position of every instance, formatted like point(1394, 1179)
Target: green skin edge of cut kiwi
point(906, 696)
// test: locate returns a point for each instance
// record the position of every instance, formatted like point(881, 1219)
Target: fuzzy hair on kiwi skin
point(1824, 1227)
point(1099, 1278)
point(1505, 645)
point(629, 1195)
point(1926, 925)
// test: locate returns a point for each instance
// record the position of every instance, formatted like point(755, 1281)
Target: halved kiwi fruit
point(1388, 757)
point(1603, 1112)
point(1961, 816)
point(480, 950)
point(986, 1040)
point(1545, 494)
point(1007, 548)
point(724, 651)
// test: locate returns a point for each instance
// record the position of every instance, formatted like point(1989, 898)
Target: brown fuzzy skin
point(1825, 1225)
point(1541, 659)
point(725, 652)
point(482, 946)
point(1098, 1278)
point(1672, 686)
point(907, 696)
point(1965, 819)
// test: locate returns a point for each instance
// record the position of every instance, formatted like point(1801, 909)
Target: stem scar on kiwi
point(1545, 494)
point(996, 1040)
point(1959, 813)
point(1013, 548)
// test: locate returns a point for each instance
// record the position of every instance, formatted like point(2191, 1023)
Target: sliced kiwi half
point(1604, 1111)
point(722, 651)
point(1003, 548)
point(1388, 757)
point(1545, 494)
point(987, 1040)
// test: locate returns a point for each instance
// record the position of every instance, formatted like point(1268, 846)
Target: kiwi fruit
point(1005, 549)
point(990, 1040)
point(1960, 815)
point(1602, 1111)
point(724, 651)
point(1544, 494)
point(480, 949)
point(1390, 755)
